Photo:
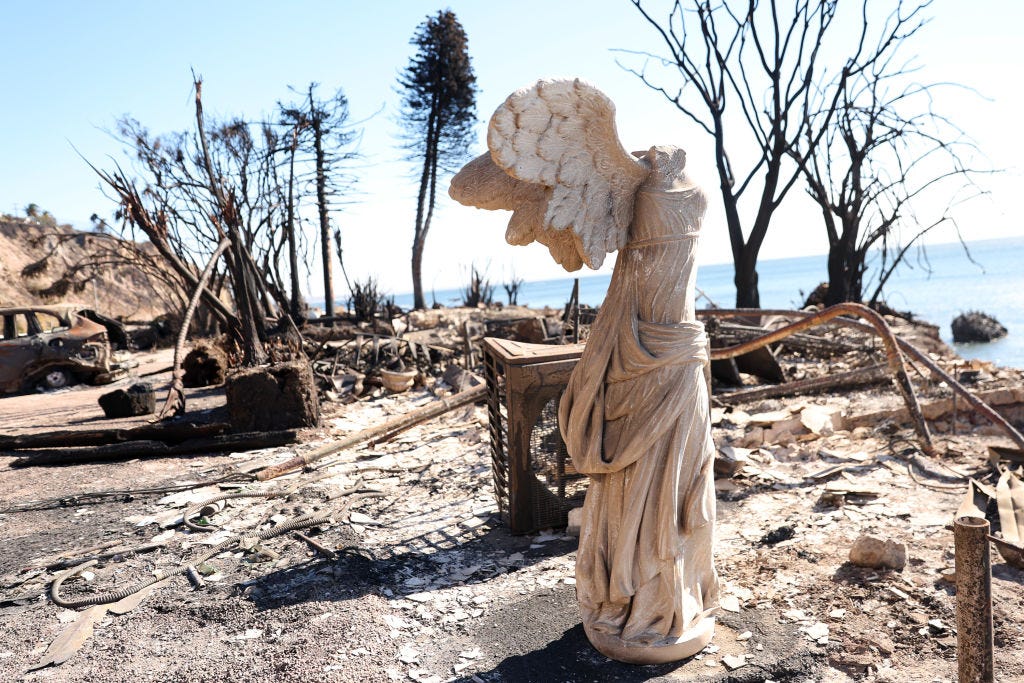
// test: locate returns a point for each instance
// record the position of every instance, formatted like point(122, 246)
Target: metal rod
point(877, 322)
point(413, 417)
point(974, 641)
point(323, 550)
point(912, 351)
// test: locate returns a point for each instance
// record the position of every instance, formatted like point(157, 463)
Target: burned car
point(49, 347)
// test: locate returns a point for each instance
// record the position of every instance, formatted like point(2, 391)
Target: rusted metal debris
point(175, 403)
point(892, 350)
point(893, 346)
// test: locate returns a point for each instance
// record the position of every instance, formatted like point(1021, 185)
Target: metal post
point(974, 642)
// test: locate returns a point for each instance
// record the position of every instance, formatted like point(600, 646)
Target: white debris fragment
point(818, 632)
point(746, 635)
point(408, 654)
point(163, 536)
point(249, 634)
point(424, 676)
point(733, 662)
point(730, 603)
point(396, 622)
point(360, 518)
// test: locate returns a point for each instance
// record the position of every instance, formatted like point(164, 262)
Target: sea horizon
point(935, 286)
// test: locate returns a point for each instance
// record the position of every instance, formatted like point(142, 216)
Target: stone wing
point(557, 162)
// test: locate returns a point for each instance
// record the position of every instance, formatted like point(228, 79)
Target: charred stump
point(280, 396)
point(205, 365)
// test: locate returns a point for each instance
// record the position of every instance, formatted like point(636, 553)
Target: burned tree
point(320, 131)
point(438, 113)
point(884, 153)
point(767, 60)
point(196, 189)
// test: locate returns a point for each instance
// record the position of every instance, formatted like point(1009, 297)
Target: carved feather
point(484, 185)
point(566, 175)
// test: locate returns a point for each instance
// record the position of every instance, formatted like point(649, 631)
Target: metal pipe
point(908, 348)
point(892, 353)
point(974, 640)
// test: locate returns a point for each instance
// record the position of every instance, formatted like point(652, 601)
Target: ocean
point(936, 285)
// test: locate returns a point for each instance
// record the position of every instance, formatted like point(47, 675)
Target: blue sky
point(70, 69)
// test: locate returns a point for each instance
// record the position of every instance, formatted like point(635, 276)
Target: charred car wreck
point(49, 347)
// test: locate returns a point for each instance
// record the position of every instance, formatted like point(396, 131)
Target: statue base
point(688, 644)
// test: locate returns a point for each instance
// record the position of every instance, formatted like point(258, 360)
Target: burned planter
point(280, 396)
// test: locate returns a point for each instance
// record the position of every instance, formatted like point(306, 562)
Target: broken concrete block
point(730, 460)
point(875, 553)
point(138, 399)
point(793, 425)
point(769, 418)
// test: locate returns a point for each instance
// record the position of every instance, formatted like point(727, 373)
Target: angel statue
point(634, 416)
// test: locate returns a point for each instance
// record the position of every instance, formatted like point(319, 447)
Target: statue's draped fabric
point(635, 419)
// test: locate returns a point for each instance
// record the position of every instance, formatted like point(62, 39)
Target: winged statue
point(635, 414)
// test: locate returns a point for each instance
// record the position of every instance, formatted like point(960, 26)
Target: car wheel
point(57, 378)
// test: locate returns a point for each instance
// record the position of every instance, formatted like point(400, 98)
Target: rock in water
point(975, 326)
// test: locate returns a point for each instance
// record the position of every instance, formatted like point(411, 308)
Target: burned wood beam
point(153, 449)
point(874, 374)
point(409, 419)
point(170, 433)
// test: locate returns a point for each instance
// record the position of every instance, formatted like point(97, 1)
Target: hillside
point(117, 291)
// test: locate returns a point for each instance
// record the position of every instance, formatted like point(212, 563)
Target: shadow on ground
point(466, 559)
point(549, 645)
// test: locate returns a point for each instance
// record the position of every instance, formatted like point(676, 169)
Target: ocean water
point(936, 286)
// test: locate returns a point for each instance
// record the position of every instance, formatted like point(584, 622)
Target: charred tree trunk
point(295, 302)
point(325, 227)
point(745, 279)
point(244, 289)
point(423, 213)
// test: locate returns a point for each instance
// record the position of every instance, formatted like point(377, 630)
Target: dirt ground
point(427, 584)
